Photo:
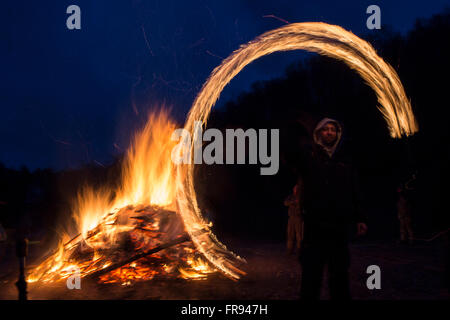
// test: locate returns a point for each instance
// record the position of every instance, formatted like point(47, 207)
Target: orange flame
point(148, 179)
point(147, 175)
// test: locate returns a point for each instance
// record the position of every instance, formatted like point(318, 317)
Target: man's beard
point(327, 143)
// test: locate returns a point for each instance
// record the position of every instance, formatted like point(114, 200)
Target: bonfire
point(134, 232)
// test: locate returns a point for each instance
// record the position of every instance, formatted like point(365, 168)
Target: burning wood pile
point(148, 242)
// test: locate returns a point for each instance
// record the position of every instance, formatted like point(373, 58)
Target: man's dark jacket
point(331, 199)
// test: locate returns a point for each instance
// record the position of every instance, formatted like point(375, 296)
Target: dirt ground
point(407, 272)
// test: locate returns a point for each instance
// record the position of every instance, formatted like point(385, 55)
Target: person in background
point(295, 222)
point(3, 239)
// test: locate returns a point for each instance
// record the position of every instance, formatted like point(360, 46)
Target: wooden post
point(21, 251)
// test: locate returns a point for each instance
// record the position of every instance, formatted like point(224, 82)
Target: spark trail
point(325, 39)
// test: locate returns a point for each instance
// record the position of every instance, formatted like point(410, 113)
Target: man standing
point(331, 208)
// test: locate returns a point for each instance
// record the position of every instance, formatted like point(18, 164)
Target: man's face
point(328, 134)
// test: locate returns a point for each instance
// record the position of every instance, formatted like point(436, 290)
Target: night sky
point(70, 97)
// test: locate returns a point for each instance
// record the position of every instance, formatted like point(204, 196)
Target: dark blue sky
point(68, 97)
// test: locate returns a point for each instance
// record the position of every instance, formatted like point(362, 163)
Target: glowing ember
point(200, 269)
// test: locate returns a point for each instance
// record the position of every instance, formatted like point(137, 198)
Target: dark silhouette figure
point(330, 209)
point(295, 222)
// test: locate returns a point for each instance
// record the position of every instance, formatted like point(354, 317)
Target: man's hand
point(362, 229)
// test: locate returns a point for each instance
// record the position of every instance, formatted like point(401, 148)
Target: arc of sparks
point(325, 39)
